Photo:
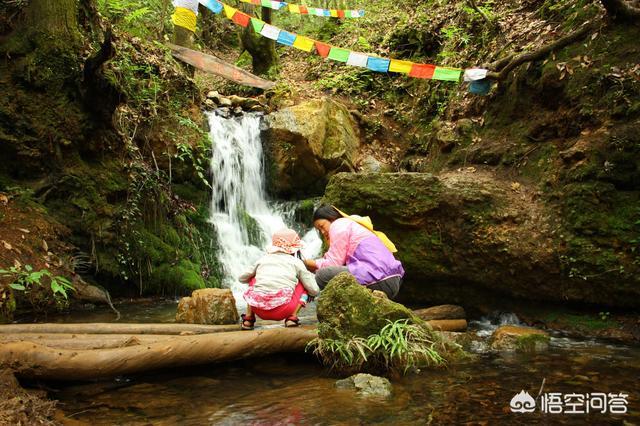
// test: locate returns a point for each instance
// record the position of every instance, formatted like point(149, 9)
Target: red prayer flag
point(340, 13)
point(323, 49)
point(241, 18)
point(422, 71)
point(304, 10)
point(258, 2)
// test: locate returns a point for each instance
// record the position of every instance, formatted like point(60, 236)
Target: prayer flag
point(322, 48)
point(422, 71)
point(473, 74)
point(192, 5)
point(257, 25)
point(303, 43)
point(357, 59)
point(333, 13)
point(229, 11)
point(184, 18)
point(400, 66)
point(378, 64)
point(265, 3)
point(340, 13)
point(213, 5)
point(304, 10)
point(338, 54)
point(269, 31)
point(447, 74)
point(241, 18)
point(326, 12)
point(294, 8)
point(286, 37)
point(277, 5)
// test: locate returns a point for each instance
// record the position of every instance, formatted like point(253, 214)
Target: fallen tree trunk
point(448, 325)
point(84, 341)
point(116, 328)
point(39, 361)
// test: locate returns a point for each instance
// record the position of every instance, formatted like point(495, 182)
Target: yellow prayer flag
point(334, 13)
point(303, 43)
point(185, 18)
point(400, 66)
point(294, 8)
point(229, 11)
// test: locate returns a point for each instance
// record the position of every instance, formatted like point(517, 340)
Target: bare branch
point(502, 67)
point(475, 7)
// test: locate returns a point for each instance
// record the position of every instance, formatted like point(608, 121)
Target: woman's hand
point(311, 265)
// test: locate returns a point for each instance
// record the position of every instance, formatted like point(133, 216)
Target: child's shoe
point(248, 322)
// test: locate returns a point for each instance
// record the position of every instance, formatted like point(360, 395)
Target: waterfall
point(243, 218)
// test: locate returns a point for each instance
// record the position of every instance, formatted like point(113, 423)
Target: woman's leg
point(390, 286)
point(324, 275)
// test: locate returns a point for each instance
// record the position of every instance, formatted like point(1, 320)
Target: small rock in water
point(214, 96)
point(238, 111)
point(208, 306)
point(522, 339)
point(224, 112)
point(367, 385)
point(208, 103)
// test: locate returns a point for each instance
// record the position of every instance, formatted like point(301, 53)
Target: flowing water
point(243, 217)
point(292, 390)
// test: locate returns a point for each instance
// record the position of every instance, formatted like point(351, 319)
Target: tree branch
point(502, 67)
point(475, 7)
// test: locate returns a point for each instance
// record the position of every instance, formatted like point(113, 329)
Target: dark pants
point(390, 286)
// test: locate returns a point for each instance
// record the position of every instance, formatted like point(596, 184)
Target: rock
point(367, 385)
point(346, 309)
point(371, 165)
point(441, 312)
point(466, 237)
point(224, 112)
point(257, 108)
point(214, 96)
point(238, 111)
point(308, 143)
point(208, 306)
point(511, 338)
point(244, 103)
point(225, 102)
point(209, 104)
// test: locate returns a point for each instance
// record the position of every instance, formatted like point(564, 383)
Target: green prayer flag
point(347, 14)
point(257, 25)
point(265, 3)
point(338, 54)
point(447, 74)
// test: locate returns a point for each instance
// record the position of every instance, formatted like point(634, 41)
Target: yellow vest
point(366, 222)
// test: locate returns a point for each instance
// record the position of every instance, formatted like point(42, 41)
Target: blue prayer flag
point(212, 5)
point(378, 64)
point(286, 38)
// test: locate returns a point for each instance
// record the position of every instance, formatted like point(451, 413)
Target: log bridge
point(102, 350)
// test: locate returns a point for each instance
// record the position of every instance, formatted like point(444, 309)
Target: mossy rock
point(347, 309)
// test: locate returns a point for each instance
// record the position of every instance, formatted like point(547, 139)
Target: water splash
point(242, 216)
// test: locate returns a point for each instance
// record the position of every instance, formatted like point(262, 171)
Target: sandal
point(292, 321)
point(250, 320)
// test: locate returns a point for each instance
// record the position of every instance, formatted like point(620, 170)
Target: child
point(279, 283)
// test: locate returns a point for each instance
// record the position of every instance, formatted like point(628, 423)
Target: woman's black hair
point(327, 212)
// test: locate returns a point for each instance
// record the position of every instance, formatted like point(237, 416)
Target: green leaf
point(17, 287)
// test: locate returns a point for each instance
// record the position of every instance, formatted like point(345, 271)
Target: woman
point(356, 249)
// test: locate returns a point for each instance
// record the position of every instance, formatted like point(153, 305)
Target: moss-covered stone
point(347, 309)
point(467, 232)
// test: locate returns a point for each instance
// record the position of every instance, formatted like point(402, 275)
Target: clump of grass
point(398, 347)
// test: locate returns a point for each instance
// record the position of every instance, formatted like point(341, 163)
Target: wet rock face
point(470, 238)
point(307, 143)
point(510, 338)
point(208, 306)
point(367, 385)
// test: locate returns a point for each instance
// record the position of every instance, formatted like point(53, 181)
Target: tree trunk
point(115, 328)
point(261, 49)
point(40, 361)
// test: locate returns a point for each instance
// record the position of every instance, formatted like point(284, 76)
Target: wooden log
point(84, 341)
point(219, 67)
point(39, 361)
point(116, 328)
point(441, 312)
point(448, 325)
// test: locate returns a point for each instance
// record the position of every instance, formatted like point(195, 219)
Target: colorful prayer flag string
point(325, 50)
point(301, 9)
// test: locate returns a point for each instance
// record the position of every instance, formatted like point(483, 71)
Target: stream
point(295, 389)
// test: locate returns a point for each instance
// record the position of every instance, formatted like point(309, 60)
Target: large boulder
point(469, 238)
point(308, 143)
point(208, 306)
